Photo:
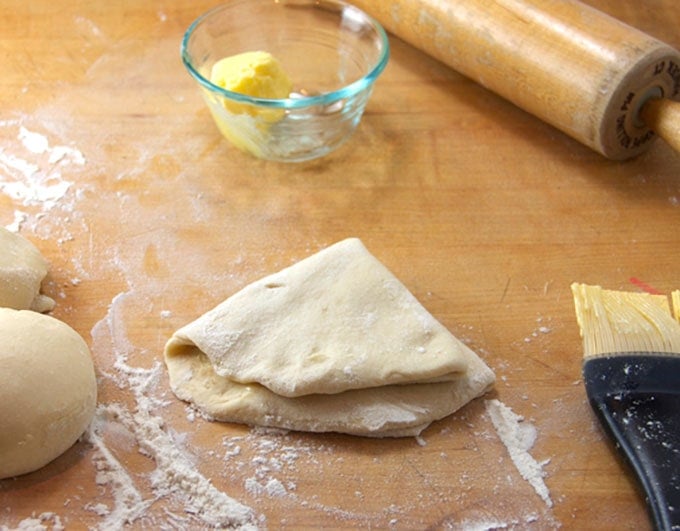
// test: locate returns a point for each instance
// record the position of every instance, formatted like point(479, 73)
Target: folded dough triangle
point(333, 343)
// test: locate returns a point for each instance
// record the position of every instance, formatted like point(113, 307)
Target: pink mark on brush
point(644, 286)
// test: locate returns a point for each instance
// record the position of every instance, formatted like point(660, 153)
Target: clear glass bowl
point(332, 51)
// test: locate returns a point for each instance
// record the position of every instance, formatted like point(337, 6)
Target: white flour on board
point(175, 475)
point(32, 176)
point(41, 522)
point(36, 179)
point(519, 437)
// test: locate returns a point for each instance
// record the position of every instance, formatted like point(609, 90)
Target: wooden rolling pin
point(606, 84)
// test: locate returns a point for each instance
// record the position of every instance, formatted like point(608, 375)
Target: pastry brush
point(631, 371)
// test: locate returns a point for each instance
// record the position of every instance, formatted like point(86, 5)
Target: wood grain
point(572, 66)
point(486, 213)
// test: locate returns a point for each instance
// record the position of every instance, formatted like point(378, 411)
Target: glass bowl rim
point(325, 98)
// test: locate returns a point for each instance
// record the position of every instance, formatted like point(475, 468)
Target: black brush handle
point(637, 399)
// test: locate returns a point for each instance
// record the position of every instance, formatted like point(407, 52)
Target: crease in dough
point(334, 342)
point(383, 411)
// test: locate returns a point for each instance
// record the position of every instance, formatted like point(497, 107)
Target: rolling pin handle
point(663, 117)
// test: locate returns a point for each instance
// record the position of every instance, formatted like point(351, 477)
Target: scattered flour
point(34, 142)
point(175, 475)
point(19, 218)
point(37, 182)
point(128, 502)
point(519, 437)
point(271, 457)
point(541, 329)
point(269, 461)
point(272, 488)
point(42, 522)
point(493, 525)
point(39, 144)
point(31, 176)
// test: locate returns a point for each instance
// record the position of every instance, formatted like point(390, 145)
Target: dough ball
point(48, 390)
point(22, 270)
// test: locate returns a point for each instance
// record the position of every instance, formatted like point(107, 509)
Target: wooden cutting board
point(110, 164)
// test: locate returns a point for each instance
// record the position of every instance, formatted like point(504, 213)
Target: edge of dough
point(22, 271)
point(284, 331)
point(258, 317)
point(386, 411)
point(48, 390)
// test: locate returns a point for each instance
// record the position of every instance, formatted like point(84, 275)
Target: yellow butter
point(257, 74)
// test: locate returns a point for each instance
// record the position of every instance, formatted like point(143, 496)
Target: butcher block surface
point(110, 164)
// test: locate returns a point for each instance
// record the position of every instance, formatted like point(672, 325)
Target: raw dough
point(48, 390)
point(335, 321)
point(22, 270)
point(332, 343)
point(381, 411)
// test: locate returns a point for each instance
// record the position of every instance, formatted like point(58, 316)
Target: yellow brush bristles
point(614, 322)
